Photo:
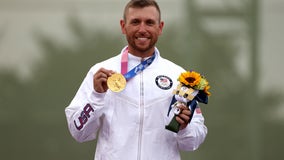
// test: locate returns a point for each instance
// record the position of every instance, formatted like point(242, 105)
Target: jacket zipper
point(141, 112)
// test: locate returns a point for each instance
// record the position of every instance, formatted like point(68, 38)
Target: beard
point(140, 46)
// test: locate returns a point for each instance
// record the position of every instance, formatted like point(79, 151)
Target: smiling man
point(123, 101)
point(142, 27)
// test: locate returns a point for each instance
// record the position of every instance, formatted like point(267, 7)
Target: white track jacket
point(131, 124)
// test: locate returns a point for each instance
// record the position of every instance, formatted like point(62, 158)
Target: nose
point(142, 28)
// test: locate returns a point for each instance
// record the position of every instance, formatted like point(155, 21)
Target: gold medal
point(116, 82)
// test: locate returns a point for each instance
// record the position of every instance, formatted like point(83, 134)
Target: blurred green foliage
point(32, 118)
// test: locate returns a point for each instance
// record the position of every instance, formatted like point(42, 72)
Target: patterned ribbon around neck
point(139, 68)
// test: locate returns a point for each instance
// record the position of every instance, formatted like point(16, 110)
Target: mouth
point(142, 39)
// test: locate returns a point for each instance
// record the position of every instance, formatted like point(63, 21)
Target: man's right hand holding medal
point(100, 80)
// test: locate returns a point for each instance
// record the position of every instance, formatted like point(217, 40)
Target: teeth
point(142, 39)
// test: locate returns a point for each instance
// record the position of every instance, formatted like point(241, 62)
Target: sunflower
point(190, 78)
point(206, 90)
point(195, 80)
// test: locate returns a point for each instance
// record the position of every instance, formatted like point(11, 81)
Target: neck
point(142, 54)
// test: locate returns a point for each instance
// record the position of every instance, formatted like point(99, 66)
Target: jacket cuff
point(97, 99)
point(183, 132)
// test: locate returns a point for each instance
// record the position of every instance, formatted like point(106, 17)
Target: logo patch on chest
point(164, 82)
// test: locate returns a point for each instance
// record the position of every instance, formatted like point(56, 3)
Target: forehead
point(143, 13)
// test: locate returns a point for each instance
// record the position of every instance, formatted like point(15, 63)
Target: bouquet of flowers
point(193, 88)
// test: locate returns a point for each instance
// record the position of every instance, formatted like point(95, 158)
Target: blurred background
point(47, 47)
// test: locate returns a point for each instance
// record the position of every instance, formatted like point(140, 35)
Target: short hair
point(141, 4)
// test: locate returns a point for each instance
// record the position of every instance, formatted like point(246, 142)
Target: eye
point(150, 22)
point(134, 22)
point(185, 95)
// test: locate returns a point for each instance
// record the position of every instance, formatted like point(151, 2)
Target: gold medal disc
point(116, 82)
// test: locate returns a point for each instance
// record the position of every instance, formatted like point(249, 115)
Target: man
point(131, 123)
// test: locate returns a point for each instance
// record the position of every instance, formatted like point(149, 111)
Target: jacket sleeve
point(84, 112)
point(194, 134)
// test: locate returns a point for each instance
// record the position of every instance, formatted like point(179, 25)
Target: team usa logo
point(164, 82)
point(84, 116)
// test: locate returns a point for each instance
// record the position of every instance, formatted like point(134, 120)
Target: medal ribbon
point(139, 68)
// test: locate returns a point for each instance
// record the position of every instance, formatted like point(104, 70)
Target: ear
point(161, 26)
point(122, 26)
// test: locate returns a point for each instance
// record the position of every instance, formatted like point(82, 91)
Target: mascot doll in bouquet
point(193, 88)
